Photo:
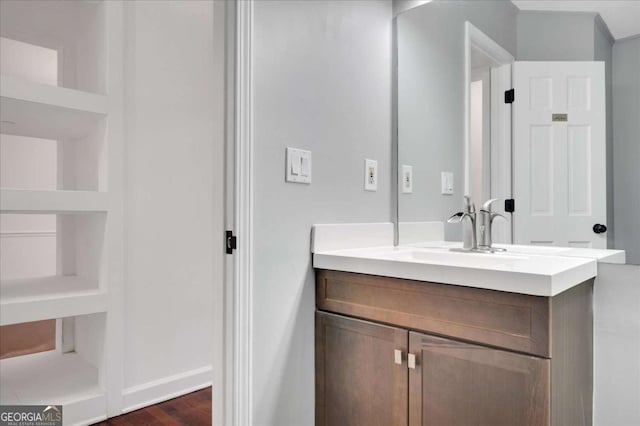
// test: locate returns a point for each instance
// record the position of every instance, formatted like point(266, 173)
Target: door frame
point(233, 21)
point(501, 164)
point(243, 215)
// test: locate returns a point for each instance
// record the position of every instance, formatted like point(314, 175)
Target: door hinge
point(230, 242)
point(509, 96)
point(510, 205)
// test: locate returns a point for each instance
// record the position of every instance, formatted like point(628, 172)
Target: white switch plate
point(370, 175)
point(446, 182)
point(407, 179)
point(298, 166)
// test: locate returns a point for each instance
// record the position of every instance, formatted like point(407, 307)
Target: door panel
point(559, 153)
point(457, 384)
point(358, 381)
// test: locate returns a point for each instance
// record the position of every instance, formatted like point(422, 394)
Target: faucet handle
point(487, 205)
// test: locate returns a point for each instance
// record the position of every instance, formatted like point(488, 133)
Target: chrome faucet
point(485, 227)
point(469, 212)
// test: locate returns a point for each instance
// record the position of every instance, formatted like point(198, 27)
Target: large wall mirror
point(562, 148)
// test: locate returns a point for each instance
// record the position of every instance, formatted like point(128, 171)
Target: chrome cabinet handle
point(411, 361)
point(397, 356)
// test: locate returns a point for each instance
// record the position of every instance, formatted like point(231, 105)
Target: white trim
point(111, 368)
point(223, 284)
point(243, 271)
point(501, 157)
point(27, 234)
point(146, 394)
point(473, 37)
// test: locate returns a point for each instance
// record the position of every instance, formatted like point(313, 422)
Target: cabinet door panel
point(357, 379)
point(459, 384)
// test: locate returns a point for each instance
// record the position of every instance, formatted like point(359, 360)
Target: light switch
point(305, 166)
point(370, 175)
point(295, 163)
point(446, 182)
point(298, 165)
point(407, 179)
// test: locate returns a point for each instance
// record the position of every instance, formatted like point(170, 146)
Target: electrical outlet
point(370, 175)
point(407, 179)
point(446, 182)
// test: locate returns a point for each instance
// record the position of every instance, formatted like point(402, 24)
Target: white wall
point(322, 81)
point(626, 146)
point(169, 199)
point(617, 346)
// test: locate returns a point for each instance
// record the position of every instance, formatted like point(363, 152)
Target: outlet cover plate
point(407, 179)
point(370, 175)
point(298, 165)
point(446, 181)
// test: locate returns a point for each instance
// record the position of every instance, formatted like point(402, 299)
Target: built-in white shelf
point(35, 299)
point(28, 201)
point(49, 112)
point(53, 378)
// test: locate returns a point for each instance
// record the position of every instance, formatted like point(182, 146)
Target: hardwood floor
point(193, 409)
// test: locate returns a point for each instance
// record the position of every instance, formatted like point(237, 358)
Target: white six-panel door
point(559, 179)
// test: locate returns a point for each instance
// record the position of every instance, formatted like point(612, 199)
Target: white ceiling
point(622, 16)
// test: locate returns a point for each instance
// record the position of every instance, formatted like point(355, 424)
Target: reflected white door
point(559, 155)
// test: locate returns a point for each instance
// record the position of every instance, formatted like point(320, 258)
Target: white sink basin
point(606, 256)
point(445, 256)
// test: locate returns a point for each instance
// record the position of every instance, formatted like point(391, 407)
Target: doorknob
point(599, 229)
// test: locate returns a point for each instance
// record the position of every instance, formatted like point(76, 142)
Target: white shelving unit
point(83, 115)
point(34, 299)
point(47, 202)
point(44, 111)
point(53, 378)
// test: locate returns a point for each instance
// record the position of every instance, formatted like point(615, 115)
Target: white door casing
point(559, 173)
point(500, 60)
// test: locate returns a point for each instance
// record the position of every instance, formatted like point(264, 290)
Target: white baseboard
point(160, 390)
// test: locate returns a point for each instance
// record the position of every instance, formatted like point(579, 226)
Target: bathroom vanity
point(409, 336)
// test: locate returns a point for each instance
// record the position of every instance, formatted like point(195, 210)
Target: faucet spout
point(469, 212)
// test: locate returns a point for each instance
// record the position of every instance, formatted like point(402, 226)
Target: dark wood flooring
point(193, 409)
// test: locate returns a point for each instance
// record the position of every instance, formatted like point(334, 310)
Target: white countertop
point(526, 274)
point(533, 270)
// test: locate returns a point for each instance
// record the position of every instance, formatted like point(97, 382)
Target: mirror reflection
point(522, 125)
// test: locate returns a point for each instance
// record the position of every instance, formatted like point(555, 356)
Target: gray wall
point(322, 81)
point(626, 151)
point(555, 36)
point(400, 6)
point(431, 98)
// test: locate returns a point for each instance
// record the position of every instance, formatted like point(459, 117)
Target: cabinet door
point(358, 381)
point(456, 383)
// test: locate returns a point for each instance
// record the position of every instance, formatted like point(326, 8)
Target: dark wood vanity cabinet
point(358, 381)
point(401, 352)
